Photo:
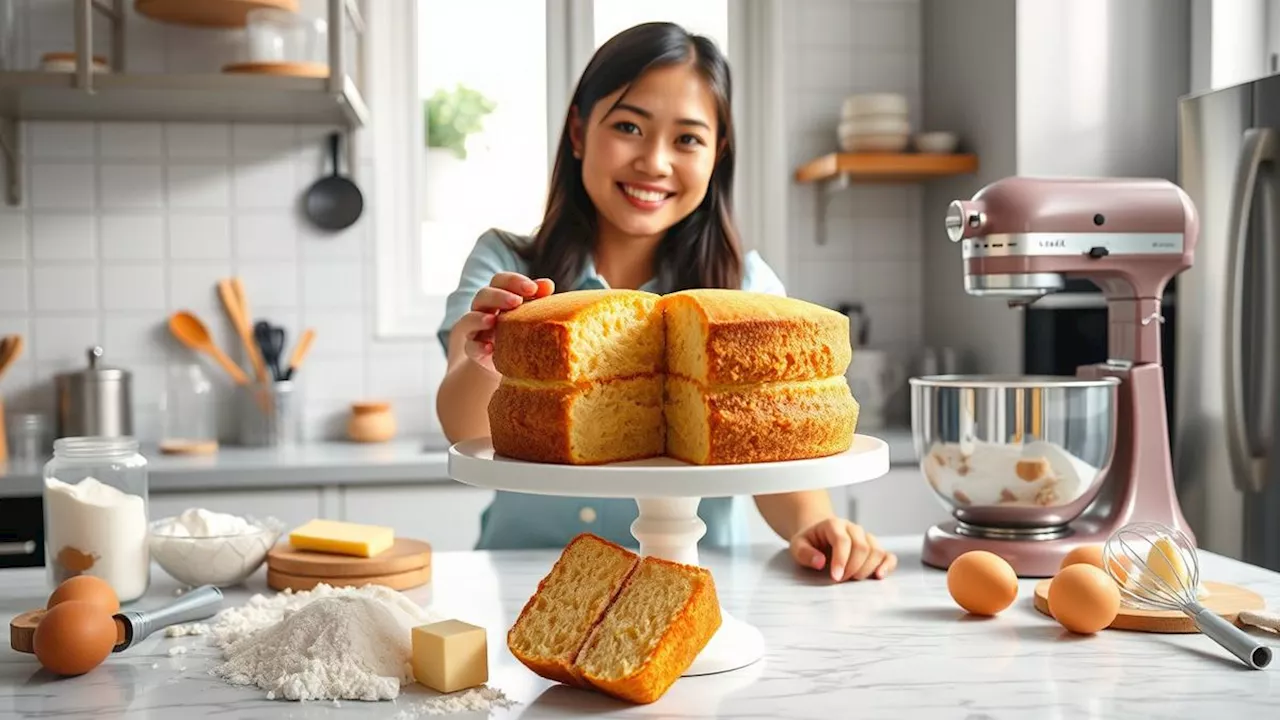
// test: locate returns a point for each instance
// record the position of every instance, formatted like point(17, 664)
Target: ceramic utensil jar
point(96, 401)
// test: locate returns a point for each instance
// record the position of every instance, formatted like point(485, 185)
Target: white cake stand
point(667, 492)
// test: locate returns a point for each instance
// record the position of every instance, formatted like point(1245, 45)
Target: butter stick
point(342, 538)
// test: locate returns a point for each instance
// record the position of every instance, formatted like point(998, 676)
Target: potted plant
point(452, 116)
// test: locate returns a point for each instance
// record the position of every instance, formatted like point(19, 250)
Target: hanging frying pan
point(334, 202)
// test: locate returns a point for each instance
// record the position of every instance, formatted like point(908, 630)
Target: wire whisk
point(1157, 568)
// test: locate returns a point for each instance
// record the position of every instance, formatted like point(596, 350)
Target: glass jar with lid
point(95, 513)
point(189, 412)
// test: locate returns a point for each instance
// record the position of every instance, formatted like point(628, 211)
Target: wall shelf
point(836, 171)
point(885, 167)
point(118, 95)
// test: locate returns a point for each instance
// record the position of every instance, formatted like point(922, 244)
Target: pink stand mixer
point(1033, 467)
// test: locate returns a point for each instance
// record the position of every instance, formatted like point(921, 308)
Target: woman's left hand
point(855, 553)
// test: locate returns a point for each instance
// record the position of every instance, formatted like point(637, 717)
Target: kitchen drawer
point(293, 507)
point(21, 532)
point(447, 515)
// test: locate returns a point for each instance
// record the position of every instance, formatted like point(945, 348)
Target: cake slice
point(597, 422)
point(581, 335)
point(733, 337)
point(666, 614)
point(559, 616)
point(758, 423)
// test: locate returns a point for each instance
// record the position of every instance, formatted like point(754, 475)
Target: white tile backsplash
point(266, 236)
point(137, 336)
point(197, 141)
point(63, 287)
point(63, 237)
point(63, 186)
point(61, 340)
point(199, 236)
point(270, 284)
point(131, 187)
point(265, 185)
point(13, 288)
point(13, 236)
point(133, 287)
point(199, 187)
point(132, 236)
point(332, 285)
point(131, 141)
point(62, 140)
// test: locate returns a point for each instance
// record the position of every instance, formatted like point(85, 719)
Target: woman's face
point(647, 159)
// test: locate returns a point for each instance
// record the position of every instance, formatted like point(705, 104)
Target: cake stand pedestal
point(668, 492)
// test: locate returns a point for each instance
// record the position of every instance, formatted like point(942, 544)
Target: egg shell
point(1090, 554)
point(982, 582)
point(88, 588)
point(74, 637)
point(1083, 598)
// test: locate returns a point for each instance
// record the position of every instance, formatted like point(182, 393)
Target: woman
point(640, 198)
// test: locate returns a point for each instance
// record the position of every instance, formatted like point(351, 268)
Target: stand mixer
point(1033, 467)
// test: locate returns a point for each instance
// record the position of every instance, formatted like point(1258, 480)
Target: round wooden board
point(1226, 600)
point(397, 581)
point(22, 630)
point(403, 556)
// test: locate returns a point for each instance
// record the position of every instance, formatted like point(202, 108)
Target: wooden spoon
point(192, 333)
point(10, 349)
point(300, 352)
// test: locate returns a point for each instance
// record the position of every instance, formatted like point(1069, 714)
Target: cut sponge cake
point(581, 336)
point(706, 376)
point(604, 421)
point(731, 337)
point(604, 618)
point(748, 424)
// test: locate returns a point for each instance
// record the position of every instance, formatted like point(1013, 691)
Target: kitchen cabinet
point(447, 515)
point(293, 507)
point(899, 503)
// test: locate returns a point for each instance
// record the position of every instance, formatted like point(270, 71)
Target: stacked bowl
point(874, 122)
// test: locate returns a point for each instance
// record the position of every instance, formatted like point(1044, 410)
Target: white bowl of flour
point(201, 547)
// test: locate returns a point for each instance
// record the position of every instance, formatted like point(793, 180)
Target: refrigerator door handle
point(1248, 470)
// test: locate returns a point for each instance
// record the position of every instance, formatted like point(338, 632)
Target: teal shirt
point(518, 520)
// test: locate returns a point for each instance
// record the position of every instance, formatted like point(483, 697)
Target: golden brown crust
point(532, 342)
point(562, 670)
point(757, 337)
point(775, 422)
point(685, 637)
point(534, 423)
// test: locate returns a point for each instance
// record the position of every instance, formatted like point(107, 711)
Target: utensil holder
point(268, 414)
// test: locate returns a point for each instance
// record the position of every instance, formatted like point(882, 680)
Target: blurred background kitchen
point(177, 206)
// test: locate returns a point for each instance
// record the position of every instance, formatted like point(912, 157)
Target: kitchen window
point(468, 102)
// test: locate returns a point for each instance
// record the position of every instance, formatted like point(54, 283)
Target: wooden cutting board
point(22, 630)
point(396, 581)
point(404, 556)
point(1226, 600)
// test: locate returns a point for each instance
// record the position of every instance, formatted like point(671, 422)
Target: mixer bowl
point(1014, 455)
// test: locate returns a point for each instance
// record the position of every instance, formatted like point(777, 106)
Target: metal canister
point(94, 402)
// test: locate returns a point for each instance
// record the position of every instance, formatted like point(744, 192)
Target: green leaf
point(452, 115)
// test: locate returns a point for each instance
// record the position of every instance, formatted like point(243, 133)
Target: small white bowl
point(221, 560)
point(875, 125)
point(937, 142)
point(875, 143)
point(874, 104)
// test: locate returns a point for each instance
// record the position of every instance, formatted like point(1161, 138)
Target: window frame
point(402, 309)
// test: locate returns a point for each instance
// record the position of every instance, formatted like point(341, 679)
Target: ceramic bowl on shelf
point(941, 143)
point(892, 142)
point(874, 104)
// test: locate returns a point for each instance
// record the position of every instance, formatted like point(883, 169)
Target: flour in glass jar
point(96, 529)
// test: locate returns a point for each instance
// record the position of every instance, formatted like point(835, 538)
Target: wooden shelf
point(885, 167)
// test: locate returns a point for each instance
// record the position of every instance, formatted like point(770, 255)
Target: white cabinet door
point(900, 503)
point(292, 507)
point(447, 515)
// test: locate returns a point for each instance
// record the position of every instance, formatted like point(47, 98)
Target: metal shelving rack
point(210, 97)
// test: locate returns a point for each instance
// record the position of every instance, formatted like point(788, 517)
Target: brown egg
point(1089, 554)
point(982, 582)
point(88, 588)
point(74, 637)
point(1083, 598)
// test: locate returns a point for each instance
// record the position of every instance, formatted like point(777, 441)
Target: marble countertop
point(897, 648)
point(406, 461)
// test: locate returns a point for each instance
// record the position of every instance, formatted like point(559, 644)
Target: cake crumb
point(176, 651)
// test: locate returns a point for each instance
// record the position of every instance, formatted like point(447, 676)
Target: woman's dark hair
point(703, 249)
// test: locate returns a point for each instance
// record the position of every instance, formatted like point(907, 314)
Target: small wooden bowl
point(371, 422)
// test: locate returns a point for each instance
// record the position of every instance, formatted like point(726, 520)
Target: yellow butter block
point(450, 655)
point(342, 538)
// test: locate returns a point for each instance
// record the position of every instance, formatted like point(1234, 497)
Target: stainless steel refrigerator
point(1228, 322)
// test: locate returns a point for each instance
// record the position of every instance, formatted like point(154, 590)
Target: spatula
point(188, 329)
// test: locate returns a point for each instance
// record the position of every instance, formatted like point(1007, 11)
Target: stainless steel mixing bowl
point(1014, 455)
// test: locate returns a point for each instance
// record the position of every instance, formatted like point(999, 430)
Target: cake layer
point(731, 337)
point(580, 424)
point(760, 423)
point(581, 335)
point(557, 620)
point(664, 616)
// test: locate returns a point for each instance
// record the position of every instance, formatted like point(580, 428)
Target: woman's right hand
point(505, 292)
